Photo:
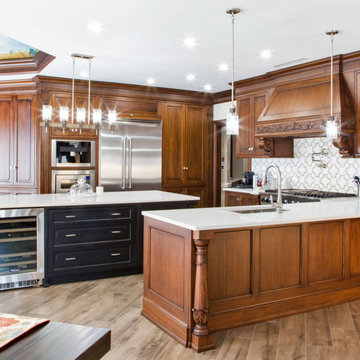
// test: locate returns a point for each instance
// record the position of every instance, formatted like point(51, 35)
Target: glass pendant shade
point(46, 112)
point(97, 116)
point(80, 115)
point(331, 128)
point(232, 122)
point(112, 116)
point(64, 113)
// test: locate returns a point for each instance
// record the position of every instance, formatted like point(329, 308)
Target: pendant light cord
point(89, 91)
point(233, 60)
point(332, 75)
point(73, 91)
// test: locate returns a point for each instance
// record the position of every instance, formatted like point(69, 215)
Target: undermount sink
point(255, 211)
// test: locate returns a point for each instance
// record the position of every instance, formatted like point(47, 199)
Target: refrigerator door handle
point(130, 164)
point(123, 164)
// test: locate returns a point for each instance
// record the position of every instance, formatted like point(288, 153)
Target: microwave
point(72, 153)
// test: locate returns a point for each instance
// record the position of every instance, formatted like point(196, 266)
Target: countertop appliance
point(21, 248)
point(300, 195)
point(130, 156)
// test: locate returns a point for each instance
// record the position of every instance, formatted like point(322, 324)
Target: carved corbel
point(267, 145)
point(345, 144)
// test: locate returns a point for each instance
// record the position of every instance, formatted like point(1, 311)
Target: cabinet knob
point(70, 216)
point(115, 214)
point(116, 231)
point(115, 254)
point(185, 168)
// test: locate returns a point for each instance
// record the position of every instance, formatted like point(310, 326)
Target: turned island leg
point(201, 338)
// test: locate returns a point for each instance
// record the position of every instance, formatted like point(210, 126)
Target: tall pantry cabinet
point(186, 150)
point(18, 146)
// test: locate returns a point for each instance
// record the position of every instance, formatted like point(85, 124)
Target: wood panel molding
point(126, 90)
point(26, 65)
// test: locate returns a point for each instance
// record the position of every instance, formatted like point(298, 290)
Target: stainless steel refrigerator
point(130, 156)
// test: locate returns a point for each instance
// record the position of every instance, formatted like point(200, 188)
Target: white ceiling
point(143, 38)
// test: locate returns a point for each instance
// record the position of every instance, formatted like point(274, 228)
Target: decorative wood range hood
point(301, 109)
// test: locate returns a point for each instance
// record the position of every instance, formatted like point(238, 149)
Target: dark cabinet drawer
point(93, 234)
point(88, 258)
point(91, 214)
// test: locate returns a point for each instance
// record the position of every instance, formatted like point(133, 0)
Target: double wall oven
point(71, 160)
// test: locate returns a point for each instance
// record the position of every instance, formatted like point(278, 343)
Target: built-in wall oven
point(62, 180)
point(73, 153)
point(21, 248)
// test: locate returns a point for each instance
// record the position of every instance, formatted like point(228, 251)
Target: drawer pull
point(116, 231)
point(115, 254)
point(70, 216)
point(70, 259)
point(70, 235)
point(115, 214)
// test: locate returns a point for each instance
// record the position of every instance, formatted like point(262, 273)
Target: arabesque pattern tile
point(302, 172)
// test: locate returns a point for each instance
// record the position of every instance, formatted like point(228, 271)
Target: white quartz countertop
point(123, 197)
point(249, 191)
point(227, 218)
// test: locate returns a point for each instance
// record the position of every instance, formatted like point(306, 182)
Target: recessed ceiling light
point(265, 54)
point(94, 27)
point(224, 67)
point(190, 42)
point(190, 77)
point(207, 87)
point(84, 74)
point(150, 81)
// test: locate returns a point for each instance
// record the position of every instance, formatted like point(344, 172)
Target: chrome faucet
point(279, 204)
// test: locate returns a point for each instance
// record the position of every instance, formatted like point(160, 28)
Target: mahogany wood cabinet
point(17, 143)
point(233, 198)
point(186, 150)
point(224, 278)
point(249, 110)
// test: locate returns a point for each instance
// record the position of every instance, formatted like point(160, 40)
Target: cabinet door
point(24, 143)
point(6, 143)
point(196, 144)
point(259, 105)
point(199, 191)
point(250, 108)
point(231, 199)
point(243, 147)
point(173, 145)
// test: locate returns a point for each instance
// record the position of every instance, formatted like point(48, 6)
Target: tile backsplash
point(331, 173)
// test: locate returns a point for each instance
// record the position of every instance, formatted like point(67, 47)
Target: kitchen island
point(79, 238)
point(212, 269)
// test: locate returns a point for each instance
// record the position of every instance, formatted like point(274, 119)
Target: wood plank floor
point(115, 303)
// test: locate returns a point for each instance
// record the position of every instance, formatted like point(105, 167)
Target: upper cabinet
point(17, 141)
point(249, 110)
point(250, 107)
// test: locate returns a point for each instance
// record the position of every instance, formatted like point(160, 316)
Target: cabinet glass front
point(18, 245)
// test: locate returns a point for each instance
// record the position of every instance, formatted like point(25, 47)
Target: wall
point(301, 172)
point(220, 110)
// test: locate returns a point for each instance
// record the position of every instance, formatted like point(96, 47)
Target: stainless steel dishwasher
point(21, 248)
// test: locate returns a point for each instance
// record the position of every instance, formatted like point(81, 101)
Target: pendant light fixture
point(81, 113)
point(232, 119)
point(331, 124)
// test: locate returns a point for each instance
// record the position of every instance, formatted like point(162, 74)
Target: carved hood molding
point(302, 108)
